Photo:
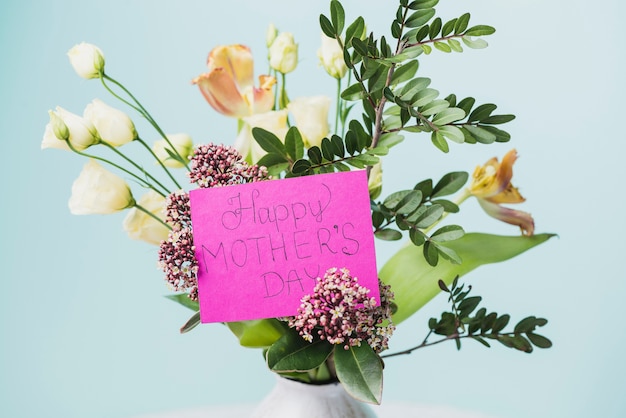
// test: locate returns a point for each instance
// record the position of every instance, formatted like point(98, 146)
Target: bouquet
point(340, 326)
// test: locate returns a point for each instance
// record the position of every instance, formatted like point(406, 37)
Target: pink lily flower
point(229, 84)
point(491, 185)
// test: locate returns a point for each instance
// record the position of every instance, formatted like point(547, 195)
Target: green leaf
point(327, 27)
point(450, 183)
point(497, 119)
point(268, 141)
point(449, 115)
point(327, 149)
point(452, 133)
point(435, 27)
point(193, 322)
point(360, 47)
point(480, 30)
point(447, 233)
point(448, 28)
point(539, 340)
point(390, 139)
point(414, 281)
point(466, 104)
point(461, 23)
point(354, 92)
point(422, 4)
point(300, 166)
point(404, 72)
point(388, 234)
point(360, 371)
point(337, 15)
point(404, 201)
point(338, 146)
point(315, 155)
point(294, 143)
point(481, 112)
point(439, 141)
point(184, 300)
point(356, 29)
point(271, 159)
point(430, 216)
point(474, 43)
point(258, 333)
point(455, 45)
point(419, 18)
point(434, 107)
point(480, 134)
point(442, 46)
point(291, 353)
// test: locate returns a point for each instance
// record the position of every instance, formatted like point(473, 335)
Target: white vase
point(293, 399)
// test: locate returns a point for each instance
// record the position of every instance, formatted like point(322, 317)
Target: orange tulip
point(229, 84)
point(491, 185)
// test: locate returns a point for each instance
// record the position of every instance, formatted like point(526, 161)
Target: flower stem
point(147, 212)
point(138, 167)
point(338, 106)
point(142, 142)
point(139, 108)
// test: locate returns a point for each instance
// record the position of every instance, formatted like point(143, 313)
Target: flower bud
point(330, 55)
point(98, 191)
point(66, 126)
point(270, 35)
point(284, 53)
point(182, 144)
point(273, 121)
point(87, 60)
point(311, 118)
point(114, 126)
point(141, 226)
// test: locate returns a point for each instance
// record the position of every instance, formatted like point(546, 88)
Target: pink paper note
point(260, 246)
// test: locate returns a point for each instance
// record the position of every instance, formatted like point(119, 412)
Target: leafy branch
point(464, 322)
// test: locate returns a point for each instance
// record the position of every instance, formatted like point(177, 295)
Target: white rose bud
point(375, 183)
point(87, 60)
point(331, 57)
point(273, 121)
point(98, 191)
point(141, 226)
point(311, 118)
point(284, 53)
point(182, 144)
point(270, 35)
point(114, 126)
point(67, 126)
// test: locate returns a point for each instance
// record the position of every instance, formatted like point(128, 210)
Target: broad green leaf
point(271, 159)
point(450, 183)
point(497, 119)
point(419, 18)
point(424, 97)
point(480, 30)
point(315, 154)
point(482, 112)
point(294, 143)
point(404, 72)
point(300, 166)
point(447, 253)
point(184, 300)
point(412, 87)
point(442, 46)
point(452, 133)
point(439, 141)
point(447, 233)
point(455, 45)
point(449, 115)
point(389, 140)
point(327, 27)
point(434, 107)
point(268, 141)
point(414, 281)
point(422, 4)
point(356, 29)
point(360, 371)
point(354, 92)
point(448, 28)
point(337, 15)
point(291, 353)
point(482, 135)
point(430, 216)
point(461, 23)
point(403, 201)
point(388, 234)
point(258, 333)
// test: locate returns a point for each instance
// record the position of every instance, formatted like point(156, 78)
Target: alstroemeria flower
point(491, 185)
point(229, 84)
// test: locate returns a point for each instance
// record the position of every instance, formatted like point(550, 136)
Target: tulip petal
point(505, 170)
point(263, 96)
point(220, 90)
point(511, 216)
point(236, 61)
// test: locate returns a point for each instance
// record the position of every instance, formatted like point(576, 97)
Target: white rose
point(311, 118)
point(98, 191)
point(331, 57)
point(87, 60)
point(114, 126)
point(270, 35)
point(273, 121)
point(284, 53)
point(67, 125)
point(142, 226)
point(182, 144)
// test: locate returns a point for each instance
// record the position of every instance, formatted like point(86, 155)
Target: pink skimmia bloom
point(491, 185)
point(229, 84)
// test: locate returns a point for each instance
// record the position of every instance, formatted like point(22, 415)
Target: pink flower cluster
point(340, 311)
point(218, 165)
point(211, 166)
point(176, 254)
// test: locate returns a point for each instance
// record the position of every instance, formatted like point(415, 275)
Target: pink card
point(260, 246)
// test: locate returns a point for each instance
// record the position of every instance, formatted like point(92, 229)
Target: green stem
point(142, 142)
point(338, 106)
point(283, 92)
point(104, 160)
point(139, 108)
point(140, 168)
point(152, 215)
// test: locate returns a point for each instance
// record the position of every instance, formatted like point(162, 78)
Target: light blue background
point(85, 329)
